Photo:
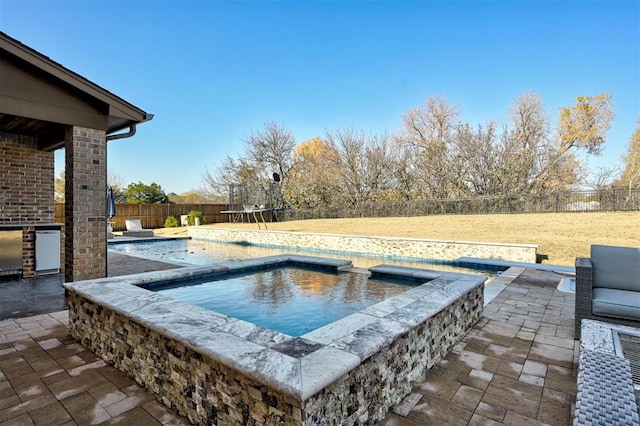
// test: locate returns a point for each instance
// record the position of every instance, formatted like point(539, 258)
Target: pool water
point(202, 252)
point(291, 300)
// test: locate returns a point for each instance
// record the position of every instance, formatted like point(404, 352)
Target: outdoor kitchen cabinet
point(21, 245)
point(10, 252)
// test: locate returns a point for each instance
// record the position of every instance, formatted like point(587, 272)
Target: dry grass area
point(560, 236)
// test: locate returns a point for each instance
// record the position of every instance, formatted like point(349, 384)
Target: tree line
point(134, 193)
point(435, 155)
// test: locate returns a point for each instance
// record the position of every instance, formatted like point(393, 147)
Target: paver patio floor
point(516, 366)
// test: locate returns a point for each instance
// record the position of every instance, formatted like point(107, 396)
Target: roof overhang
point(40, 97)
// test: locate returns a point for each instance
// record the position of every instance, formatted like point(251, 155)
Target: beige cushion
point(133, 225)
point(616, 267)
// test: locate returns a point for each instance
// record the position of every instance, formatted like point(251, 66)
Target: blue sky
point(213, 71)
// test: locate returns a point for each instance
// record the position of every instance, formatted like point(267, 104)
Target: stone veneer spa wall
point(219, 370)
point(378, 246)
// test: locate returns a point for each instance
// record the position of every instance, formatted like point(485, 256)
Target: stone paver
point(517, 365)
point(50, 380)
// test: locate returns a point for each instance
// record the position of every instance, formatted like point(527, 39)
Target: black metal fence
point(557, 202)
point(154, 215)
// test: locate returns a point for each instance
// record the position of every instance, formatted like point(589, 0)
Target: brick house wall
point(27, 182)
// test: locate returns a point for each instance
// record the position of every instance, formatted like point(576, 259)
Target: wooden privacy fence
point(153, 215)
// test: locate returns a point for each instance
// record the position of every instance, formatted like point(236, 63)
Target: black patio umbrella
point(111, 204)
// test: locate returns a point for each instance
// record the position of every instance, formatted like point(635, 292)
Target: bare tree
point(271, 149)
point(601, 177)
point(216, 183)
point(402, 169)
point(363, 165)
point(267, 151)
point(478, 160)
point(378, 165)
point(427, 132)
point(523, 145)
point(350, 148)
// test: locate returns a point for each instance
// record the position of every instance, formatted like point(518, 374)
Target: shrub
point(170, 222)
point(192, 217)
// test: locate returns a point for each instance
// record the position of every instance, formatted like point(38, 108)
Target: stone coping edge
point(473, 261)
point(121, 239)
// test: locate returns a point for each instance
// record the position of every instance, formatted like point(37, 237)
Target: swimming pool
point(291, 300)
point(203, 252)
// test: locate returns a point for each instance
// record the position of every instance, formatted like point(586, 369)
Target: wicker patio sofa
point(608, 286)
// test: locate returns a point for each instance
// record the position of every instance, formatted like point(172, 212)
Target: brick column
point(62, 250)
point(28, 252)
point(85, 204)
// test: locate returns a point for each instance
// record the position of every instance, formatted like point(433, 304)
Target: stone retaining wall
point(383, 246)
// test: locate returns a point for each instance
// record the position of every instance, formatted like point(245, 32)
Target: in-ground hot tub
point(217, 369)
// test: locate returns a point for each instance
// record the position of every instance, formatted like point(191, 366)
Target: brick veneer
point(28, 251)
point(85, 204)
point(27, 181)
